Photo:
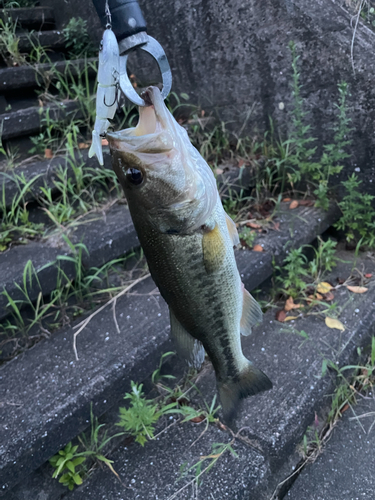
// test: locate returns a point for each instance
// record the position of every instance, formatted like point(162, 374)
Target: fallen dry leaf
point(48, 153)
point(258, 248)
point(286, 199)
point(219, 171)
point(104, 142)
point(324, 287)
point(334, 323)
point(344, 408)
point(276, 226)
point(293, 205)
point(289, 305)
point(318, 296)
point(83, 145)
point(197, 420)
point(368, 275)
point(357, 289)
point(253, 225)
point(281, 315)
point(329, 296)
point(289, 318)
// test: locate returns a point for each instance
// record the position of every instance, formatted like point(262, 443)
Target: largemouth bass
point(188, 242)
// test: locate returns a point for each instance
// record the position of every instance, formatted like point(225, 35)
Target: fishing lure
point(107, 91)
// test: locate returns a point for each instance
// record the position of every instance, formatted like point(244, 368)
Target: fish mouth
point(154, 131)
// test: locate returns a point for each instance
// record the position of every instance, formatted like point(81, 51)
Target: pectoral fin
point(232, 230)
point(251, 313)
point(187, 346)
point(214, 249)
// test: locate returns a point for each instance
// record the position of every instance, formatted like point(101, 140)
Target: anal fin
point(187, 346)
point(251, 313)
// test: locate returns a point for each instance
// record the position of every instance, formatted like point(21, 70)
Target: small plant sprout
point(157, 376)
point(69, 462)
point(204, 464)
point(248, 236)
point(140, 418)
point(73, 464)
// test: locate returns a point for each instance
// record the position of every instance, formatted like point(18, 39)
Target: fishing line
point(109, 16)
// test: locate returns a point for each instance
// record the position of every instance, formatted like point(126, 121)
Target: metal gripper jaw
point(156, 51)
point(128, 24)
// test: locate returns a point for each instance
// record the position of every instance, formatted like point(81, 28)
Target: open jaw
point(152, 133)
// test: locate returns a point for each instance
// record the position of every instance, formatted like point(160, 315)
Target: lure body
point(106, 95)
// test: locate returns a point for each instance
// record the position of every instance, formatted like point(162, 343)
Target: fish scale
point(188, 240)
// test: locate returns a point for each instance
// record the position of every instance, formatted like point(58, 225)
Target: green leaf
point(78, 461)
point(141, 439)
point(77, 479)
point(69, 465)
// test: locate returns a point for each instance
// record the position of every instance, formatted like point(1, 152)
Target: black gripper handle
point(127, 17)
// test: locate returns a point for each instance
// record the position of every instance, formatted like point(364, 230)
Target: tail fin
point(96, 147)
point(252, 380)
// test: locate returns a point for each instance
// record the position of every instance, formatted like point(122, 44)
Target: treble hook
point(116, 97)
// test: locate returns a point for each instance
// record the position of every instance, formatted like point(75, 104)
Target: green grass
point(352, 383)
point(69, 299)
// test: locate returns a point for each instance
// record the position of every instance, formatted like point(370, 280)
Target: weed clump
point(77, 39)
point(301, 161)
point(297, 273)
point(358, 214)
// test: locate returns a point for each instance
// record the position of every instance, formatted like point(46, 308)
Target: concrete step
point(107, 235)
point(50, 39)
point(32, 76)
point(112, 234)
point(32, 18)
point(60, 389)
point(345, 468)
point(271, 424)
point(43, 173)
point(29, 121)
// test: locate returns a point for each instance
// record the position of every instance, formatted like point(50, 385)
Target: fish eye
point(134, 176)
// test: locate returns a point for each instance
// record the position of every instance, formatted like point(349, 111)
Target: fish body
point(188, 241)
point(106, 94)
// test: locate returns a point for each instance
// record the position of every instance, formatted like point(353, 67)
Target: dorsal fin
point(187, 346)
point(233, 233)
point(251, 313)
